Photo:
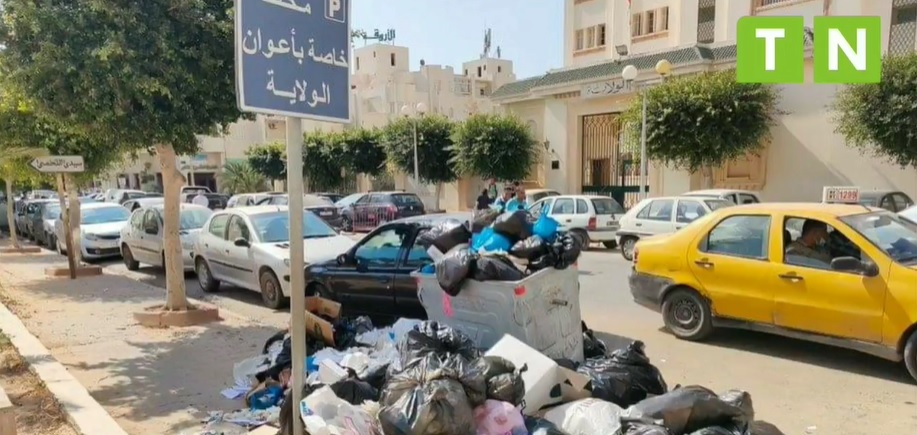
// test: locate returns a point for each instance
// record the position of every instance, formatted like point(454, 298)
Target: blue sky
point(449, 32)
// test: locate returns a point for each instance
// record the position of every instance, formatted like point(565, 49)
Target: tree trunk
point(437, 190)
point(11, 213)
point(172, 182)
point(707, 177)
point(73, 199)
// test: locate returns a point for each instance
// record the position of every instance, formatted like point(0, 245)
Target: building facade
point(574, 110)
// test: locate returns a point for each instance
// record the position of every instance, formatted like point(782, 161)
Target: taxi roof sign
point(840, 195)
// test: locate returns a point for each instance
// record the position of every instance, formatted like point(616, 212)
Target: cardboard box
point(316, 326)
point(546, 383)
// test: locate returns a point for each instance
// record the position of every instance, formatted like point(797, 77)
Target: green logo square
point(770, 50)
point(848, 50)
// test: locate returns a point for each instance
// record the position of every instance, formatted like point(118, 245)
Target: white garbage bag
point(586, 417)
point(323, 413)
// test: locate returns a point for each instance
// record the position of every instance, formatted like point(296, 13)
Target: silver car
point(249, 247)
point(100, 230)
point(141, 238)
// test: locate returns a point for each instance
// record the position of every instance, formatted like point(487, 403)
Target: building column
point(554, 128)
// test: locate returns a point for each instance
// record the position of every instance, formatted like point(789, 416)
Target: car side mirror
point(343, 259)
point(241, 242)
point(851, 264)
point(870, 269)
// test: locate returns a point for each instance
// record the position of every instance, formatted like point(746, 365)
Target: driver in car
point(814, 236)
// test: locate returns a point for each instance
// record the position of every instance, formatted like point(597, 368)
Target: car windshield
point(52, 212)
point(887, 232)
point(406, 199)
point(194, 219)
point(607, 206)
point(716, 204)
point(104, 215)
point(275, 227)
point(349, 199)
point(133, 195)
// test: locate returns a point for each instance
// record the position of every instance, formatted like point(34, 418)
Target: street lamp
point(407, 111)
point(629, 74)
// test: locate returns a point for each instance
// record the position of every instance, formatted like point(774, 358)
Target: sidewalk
point(152, 381)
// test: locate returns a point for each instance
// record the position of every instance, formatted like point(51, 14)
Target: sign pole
point(297, 266)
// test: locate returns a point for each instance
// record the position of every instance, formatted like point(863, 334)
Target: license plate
point(325, 213)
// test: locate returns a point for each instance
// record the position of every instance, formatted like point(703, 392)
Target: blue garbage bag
point(546, 228)
point(428, 269)
point(490, 241)
point(268, 397)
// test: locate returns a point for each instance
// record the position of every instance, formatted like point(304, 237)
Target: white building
point(574, 110)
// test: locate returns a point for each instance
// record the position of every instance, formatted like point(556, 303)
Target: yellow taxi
point(838, 274)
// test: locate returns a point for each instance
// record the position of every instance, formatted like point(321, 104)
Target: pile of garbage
point(425, 378)
point(497, 246)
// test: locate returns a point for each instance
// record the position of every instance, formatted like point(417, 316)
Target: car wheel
point(271, 292)
point(128, 257)
point(346, 224)
point(910, 355)
point(319, 290)
point(610, 244)
point(628, 244)
point(40, 241)
point(52, 243)
point(687, 315)
point(205, 279)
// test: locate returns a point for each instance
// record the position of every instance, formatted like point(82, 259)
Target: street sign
point(58, 164)
point(293, 58)
point(841, 195)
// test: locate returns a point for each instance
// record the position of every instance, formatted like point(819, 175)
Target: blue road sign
point(293, 58)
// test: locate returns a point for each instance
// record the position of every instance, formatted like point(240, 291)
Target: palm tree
point(14, 166)
point(239, 177)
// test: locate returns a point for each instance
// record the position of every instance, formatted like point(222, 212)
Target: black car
point(333, 197)
point(374, 277)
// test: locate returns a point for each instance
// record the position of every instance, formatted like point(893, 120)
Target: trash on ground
point(323, 413)
point(498, 418)
point(586, 417)
point(624, 377)
point(688, 409)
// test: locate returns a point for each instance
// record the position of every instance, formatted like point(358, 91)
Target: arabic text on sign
point(291, 4)
point(253, 43)
point(299, 93)
point(605, 88)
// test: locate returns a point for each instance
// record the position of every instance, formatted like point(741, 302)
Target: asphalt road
point(801, 387)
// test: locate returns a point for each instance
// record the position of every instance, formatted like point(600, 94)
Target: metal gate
point(608, 169)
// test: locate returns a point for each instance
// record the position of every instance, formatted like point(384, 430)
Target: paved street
point(804, 388)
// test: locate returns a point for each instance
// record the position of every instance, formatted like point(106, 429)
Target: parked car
point(32, 216)
point(738, 197)
point(49, 212)
point(662, 215)
point(118, 196)
point(535, 195)
point(41, 194)
point(141, 239)
point(134, 204)
point(345, 209)
point(248, 199)
point(373, 277)
point(322, 207)
point(19, 217)
point(909, 215)
point(249, 247)
point(891, 200)
point(333, 197)
point(215, 201)
point(100, 230)
point(739, 267)
point(594, 218)
point(377, 208)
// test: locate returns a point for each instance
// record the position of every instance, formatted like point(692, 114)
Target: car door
point(543, 206)
point(731, 260)
point(149, 246)
point(133, 232)
point(811, 297)
point(657, 217)
point(213, 244)
point(687, 211)
point(240, 262)
point(407, 303)
point(563, 211)
point(747, 198)
point(365, 283)
point(901, 202)
point(887, 202)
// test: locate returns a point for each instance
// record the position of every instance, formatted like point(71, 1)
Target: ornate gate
point(608, 169)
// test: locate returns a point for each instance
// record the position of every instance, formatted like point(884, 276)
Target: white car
point(593, 217)
point(249, 247)
point(909, 214)
point(738, 197)
point(663, 215)
point(100, 230)
point(136, 203)
point(141, 239)
point(248, 199)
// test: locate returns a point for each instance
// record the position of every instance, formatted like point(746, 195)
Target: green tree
point(361, 151)
point(321, 164)
point(702, 121)
point(434, 149)
point(157, 70)
point(879, 118)
point(240, 177)
point(497, 147)
point(14, 167)
point(269, 160)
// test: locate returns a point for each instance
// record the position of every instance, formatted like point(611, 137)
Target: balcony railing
point(462, 86)
point(902, 35)
point(759, 4)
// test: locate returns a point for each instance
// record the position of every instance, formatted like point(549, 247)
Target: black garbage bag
point(742, 400)
point(453, 268)
point(504, 382)
point(642, 427)
point(445, 235)
point(759, 427)
point(540, 426)
point(496, 268)
point(376, 375)
point(567, 250)
point(484, 219)
point(592, 346)
point(530, 248)
point(688, 409)
point(545, 261)
point(567, 363)
point(279, 336)
point(432, 366)
point(354, 391)
point(624, 377)
point(430, 337)
point(514, 226)
point(717, 430)
point(438, 407)
point(346, 330)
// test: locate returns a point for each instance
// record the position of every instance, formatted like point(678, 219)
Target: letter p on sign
point(335, 10)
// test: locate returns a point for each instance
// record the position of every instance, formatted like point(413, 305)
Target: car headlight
point(90, 236)
point(286, 262)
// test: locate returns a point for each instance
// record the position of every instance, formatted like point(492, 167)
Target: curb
point(86, 415)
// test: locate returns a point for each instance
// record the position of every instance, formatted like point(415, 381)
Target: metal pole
point(416, 162)
point(297, 266)
point(643, 165)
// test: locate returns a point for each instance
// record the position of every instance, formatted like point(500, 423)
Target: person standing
point(484, 201)
point(201, 199)
point(519, 202)
point(503, 200)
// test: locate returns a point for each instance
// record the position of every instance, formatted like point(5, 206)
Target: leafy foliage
point(361, 151)
point(240, 177)
point(494, 146)
point(320, 163)
point(434, 147)
point(879, 117)
point(270, 160)
point(704, 120)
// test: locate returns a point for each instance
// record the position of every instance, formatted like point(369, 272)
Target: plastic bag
point(545, 227)
point(504, 382)
point(265, 396)
point(568, 251)
point(592, 346)
point(624, 377)
point(433, 338)
point(540, 426)
point(586, 417)
point(643, 427)
point(496, 268)
point(742, 400)
point(355, 391)
point(514, 226)
point(445, 235)
point(499, 418)
point(488, 240)
point(542, 262)
point(438, 407)
point(453, 269)
point(530, 248)
point(717, 430)
point(688, 409)
point(375, 375)
point(323, 413)
point(484, 219)
point(763, 428)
